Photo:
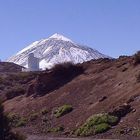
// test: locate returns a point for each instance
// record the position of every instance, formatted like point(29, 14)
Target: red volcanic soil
point(104, 86)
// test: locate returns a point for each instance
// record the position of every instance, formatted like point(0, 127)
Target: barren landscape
point(58, 102)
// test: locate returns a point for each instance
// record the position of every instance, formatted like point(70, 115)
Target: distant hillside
point(9, 67)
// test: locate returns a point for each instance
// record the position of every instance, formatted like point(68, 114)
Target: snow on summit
point(59, 37)
point(55, 49)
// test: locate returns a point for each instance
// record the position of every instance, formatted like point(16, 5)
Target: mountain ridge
point(56, 49)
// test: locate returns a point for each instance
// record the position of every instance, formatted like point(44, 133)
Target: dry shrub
point(137, 58)
point(138, 78)
point(59, 75)
point(66, 69)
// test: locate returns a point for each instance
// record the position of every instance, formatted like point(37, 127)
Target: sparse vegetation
point(136, 133)
point(44, 111)
point(33, 116)
point(56, 129)
point(15, 83)
point(96, 124)
point(63, 110)
point(21, 122)
point(16, 121)
point(100, 128)
point(5, 132)
point(13, 119)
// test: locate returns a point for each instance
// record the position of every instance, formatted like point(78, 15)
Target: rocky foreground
point(98, 99)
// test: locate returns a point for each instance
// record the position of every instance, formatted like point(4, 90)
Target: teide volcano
point(56, 49)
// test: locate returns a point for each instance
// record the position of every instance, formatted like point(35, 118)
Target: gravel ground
point(34, 137)
point(49, 138)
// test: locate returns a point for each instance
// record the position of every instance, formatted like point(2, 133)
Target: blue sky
point(110, 26)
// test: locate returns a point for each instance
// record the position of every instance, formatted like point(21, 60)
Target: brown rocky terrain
point(99, 86)
point(9, 67)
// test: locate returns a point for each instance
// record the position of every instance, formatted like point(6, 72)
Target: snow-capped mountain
point(56, 49)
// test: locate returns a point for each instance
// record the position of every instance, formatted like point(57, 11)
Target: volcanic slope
point(106, 85)
point(56, 49)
